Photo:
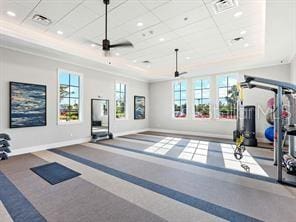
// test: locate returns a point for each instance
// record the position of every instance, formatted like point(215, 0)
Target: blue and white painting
point(139, 106)
point(27, 105)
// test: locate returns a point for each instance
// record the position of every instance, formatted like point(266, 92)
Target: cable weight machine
point(280, 90)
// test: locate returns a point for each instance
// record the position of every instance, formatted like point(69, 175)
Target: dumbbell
point(4, 146)
point(3, 156)
point(4, 136)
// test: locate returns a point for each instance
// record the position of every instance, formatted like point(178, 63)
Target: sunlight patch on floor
point(196, 151)
point(246, 164)
point(163, 146)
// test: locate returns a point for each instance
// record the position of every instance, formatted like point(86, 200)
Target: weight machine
point(280, 89)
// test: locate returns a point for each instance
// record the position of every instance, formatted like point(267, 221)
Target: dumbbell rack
point(4, 146)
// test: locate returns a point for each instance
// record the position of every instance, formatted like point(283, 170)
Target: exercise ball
point(270, 103)
point(269, 133)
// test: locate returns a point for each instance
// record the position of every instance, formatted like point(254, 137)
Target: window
point(120, 97)
point(180, 99)
point(69, 96)
point(202, 98)
point(227, 96)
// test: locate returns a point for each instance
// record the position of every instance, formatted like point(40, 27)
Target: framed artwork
point(27, 105)
point(139, 107)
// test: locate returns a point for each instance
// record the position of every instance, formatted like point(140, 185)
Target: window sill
point(225, 120)
point(185, 118)
point(121, 119)
point(201, 119)
point(60, 123)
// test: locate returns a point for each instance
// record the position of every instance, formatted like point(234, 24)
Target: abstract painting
point(27, 105)
point(139, 107)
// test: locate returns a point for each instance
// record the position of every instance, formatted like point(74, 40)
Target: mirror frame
point(91, 117)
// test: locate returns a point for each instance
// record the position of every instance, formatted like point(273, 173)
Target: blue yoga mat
point(55, 173)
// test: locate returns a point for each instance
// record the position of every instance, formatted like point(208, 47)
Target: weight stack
point(4, 146)
point(250, 126)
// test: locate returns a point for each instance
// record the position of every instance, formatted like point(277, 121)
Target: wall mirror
point(99, 119)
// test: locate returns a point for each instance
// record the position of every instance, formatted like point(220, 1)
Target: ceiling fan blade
point(122, 44)
point(182, 73)
point(93, 43)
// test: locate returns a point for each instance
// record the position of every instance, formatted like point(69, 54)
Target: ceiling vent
point(237, 39)
point(41, 20)
point(223, 5)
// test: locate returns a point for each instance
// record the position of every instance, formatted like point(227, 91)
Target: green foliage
point(233, 95)
point(120, 109)
point(203, 109)
point(229, 110)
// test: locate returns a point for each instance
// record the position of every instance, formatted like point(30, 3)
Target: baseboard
point(213, 135)
point(191, 133)
point(130, 132)
point(65, 143)
point(48, 146)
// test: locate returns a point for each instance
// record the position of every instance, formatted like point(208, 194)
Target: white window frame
point(217, 110)
point(193, 97)
point(126, 100)
point(173, 99)
point(81, 96)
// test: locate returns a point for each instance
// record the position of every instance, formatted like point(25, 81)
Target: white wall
point(20, 67)
point(161, 108)
point(293, 70)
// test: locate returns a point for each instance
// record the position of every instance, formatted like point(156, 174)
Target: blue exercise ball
point(269, 133)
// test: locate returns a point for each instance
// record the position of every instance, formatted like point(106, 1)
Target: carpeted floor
point(147, 177)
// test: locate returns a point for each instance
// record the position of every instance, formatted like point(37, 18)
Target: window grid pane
point(180, 99)
point(69, 97)
point(201, 98)
point(227, 97)
point(120, 91)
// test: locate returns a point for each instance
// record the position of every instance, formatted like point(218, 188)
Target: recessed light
point(140, 24)
point(161, 39)
point(134, 61)
point(10, 13)
point(117, 54)
point(93, 45)
point(243, 32)
point(238, 14)
point(59, 32)
point(188, 58)
point(246, 45)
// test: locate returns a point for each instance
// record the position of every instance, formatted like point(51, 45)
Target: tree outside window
point(180, 99)
point(202, 98)
point(69, 96)
point(227, 96)
point(120, 97)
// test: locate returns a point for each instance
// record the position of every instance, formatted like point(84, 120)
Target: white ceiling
point(204, 37)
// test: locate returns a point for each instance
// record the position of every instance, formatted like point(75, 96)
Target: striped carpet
point(147, 177)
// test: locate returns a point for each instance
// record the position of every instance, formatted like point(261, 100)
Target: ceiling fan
point(177, 74)
point(106, 46)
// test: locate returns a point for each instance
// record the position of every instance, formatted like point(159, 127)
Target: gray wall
point(20, 67)
point(293, 70)
point(161, 101)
